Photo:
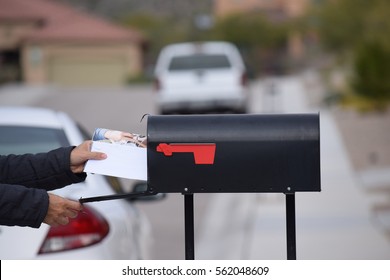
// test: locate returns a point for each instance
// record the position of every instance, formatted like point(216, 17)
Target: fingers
point(62, 221)
point(67, 215)
point(61, 210)
point(72, 205)
point(72, 214)
point(81, 154)
point(65, 218)
point(86, 148)
point(71, 210)
point(97, 155)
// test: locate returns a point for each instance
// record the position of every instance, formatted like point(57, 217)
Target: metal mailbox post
point(275, 153)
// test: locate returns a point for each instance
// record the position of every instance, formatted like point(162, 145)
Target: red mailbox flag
point(204, 153)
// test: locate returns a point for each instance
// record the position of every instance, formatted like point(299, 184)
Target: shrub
point(371, 72)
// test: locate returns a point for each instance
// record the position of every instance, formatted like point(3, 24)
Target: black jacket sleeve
point(47, 171)
point(24, 180)
point(21, 206)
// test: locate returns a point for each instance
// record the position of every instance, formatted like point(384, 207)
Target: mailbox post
point(258, 153)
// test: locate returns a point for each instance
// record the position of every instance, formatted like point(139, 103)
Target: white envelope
point(125, 161)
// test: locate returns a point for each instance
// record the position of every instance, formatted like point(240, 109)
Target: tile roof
point(59, 22)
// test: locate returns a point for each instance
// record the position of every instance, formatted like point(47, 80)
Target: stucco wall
point(38, 59)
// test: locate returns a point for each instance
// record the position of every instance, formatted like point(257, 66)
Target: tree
point(159, 31)
point(371, 77)
point(357, 31)
point(261, 41)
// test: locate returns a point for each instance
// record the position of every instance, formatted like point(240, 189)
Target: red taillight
point(244, 79)
point(157, 84)
point(88, 228)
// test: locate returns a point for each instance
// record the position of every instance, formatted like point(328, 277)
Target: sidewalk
point(336, 223)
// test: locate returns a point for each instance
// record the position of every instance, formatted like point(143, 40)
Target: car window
point(26, 139)
point(199, 62)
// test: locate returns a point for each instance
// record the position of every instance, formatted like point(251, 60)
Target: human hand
point(60, 210)
point(80, 155)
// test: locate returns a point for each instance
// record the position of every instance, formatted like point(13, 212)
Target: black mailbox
point(233, 153)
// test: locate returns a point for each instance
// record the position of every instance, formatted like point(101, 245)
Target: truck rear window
point(199, 62)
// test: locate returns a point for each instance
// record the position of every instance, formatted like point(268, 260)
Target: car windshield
point(199, 62)
point(26, 139)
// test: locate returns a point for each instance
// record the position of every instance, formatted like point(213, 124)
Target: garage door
point(87, 72)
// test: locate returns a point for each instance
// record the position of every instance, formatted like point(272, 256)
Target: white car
point(113, 229)
point(200, 77)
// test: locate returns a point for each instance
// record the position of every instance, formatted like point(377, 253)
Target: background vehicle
point(113, 229)
point(201, 77)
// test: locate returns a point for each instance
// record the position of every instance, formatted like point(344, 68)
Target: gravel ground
point(367, 140)
point(366, 136)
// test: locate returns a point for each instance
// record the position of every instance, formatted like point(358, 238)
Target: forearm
point(45, 170)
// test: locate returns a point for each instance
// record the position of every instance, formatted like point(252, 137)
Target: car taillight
point(244, 79)
point(157, 84)
point(87, 229)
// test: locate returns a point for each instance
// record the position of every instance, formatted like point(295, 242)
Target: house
point(277, 9)
point(45, 42)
